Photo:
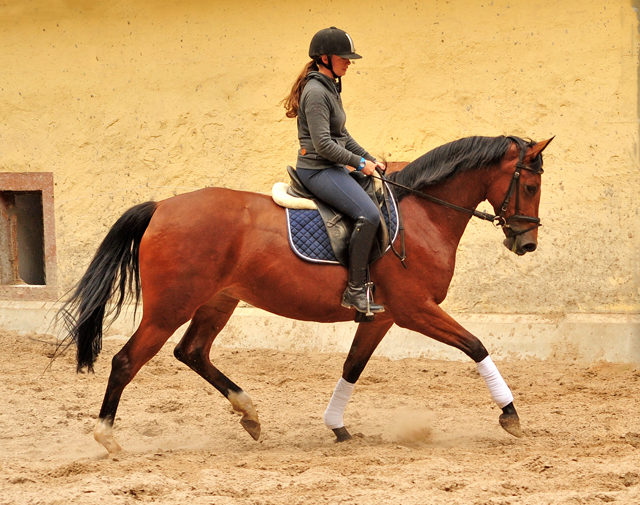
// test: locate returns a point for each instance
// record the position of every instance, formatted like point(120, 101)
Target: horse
point(195, 256)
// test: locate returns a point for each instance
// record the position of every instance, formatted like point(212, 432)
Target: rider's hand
point(381, 166)
point(369, 167)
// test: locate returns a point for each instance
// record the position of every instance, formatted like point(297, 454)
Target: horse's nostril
point(530, 247)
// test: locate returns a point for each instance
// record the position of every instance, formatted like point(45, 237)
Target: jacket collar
point(327, 81)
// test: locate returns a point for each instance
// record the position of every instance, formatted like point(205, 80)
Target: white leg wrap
point(338, 404)
point(498, 388)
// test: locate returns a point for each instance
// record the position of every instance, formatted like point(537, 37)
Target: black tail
point(115, 265)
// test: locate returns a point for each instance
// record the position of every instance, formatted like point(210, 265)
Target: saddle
point(340, 227)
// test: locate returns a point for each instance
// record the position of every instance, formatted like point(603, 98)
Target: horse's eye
point(532, 190)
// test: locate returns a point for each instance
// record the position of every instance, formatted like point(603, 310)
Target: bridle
point(514, 187)
point(499, 219)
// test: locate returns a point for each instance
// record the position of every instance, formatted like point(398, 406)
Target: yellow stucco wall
point(127, 101)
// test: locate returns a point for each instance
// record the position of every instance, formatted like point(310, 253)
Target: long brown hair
point(292, 101)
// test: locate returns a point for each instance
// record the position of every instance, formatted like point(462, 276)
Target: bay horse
point(196, 255)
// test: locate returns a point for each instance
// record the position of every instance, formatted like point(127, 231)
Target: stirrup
point(366, 306)
point(371, 306)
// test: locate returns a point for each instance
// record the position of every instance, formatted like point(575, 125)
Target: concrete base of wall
point(584, 337)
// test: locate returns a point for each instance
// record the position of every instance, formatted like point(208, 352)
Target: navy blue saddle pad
point(308, 235)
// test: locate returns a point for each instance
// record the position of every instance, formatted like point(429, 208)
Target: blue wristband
point(362, 164)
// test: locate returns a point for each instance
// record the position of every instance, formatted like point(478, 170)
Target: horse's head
point(515, 195)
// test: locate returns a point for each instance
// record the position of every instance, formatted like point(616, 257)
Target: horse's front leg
point(437, 324)
point(367, 338)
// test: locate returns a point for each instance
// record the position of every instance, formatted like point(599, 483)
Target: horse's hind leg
point(193, 350)
point(140, 348)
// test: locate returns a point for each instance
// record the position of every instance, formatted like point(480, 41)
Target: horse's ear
point(538, 148)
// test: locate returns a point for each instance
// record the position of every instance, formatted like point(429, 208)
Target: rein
point(498, 220)
point(476, 213)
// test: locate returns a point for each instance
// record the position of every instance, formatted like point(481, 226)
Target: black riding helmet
point(332, 41)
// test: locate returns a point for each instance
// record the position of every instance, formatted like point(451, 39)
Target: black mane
point(446, 161)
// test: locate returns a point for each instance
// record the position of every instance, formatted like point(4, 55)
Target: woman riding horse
point(326, 148)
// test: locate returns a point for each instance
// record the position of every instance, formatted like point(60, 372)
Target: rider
point(326, 148)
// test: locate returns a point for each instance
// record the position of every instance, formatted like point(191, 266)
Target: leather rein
point(499, 219)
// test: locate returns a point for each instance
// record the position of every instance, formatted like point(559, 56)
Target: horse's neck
point(465, 190)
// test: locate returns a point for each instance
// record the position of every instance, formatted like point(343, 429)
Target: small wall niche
point(27, 237)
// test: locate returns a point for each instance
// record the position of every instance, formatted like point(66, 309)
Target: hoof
point(342, 435)
point(511, 424)
point(111, 446)
point(241, 402)
point(103, 434)
point(114, 449)
point(252, 427)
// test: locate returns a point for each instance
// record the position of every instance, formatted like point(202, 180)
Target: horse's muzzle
point(520, 244)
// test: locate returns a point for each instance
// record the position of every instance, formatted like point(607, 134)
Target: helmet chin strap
point(329, 67)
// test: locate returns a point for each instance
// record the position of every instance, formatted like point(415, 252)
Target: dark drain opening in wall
point(22, 238)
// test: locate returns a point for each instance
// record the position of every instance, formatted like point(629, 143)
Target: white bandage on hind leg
point(338, 404)
point(498, 388)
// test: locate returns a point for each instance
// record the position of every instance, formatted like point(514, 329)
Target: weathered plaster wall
point(127, 101)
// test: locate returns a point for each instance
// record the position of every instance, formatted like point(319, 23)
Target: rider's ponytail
point(292, 101)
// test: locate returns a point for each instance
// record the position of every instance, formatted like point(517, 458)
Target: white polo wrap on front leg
point(337, 405)
point(498, 388)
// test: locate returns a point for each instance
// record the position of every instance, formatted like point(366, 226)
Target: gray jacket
point(324, 141)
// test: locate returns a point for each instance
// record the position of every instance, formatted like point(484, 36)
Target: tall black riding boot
point(359, 248)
